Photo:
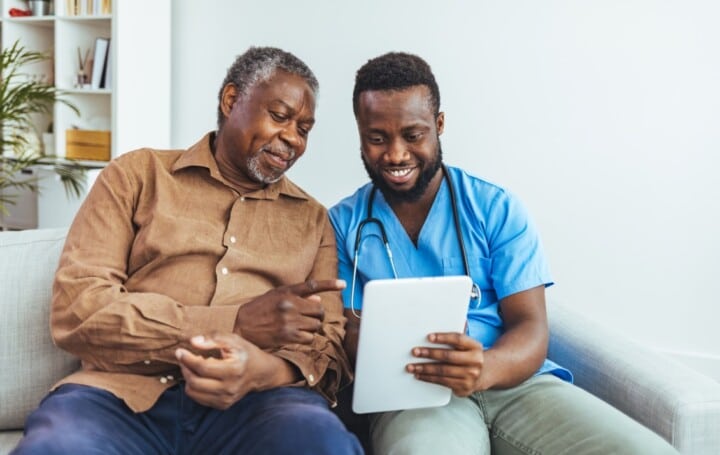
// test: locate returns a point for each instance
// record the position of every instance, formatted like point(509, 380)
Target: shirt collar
point(201, 155)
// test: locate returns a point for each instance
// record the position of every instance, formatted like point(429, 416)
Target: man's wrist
point(277, 372)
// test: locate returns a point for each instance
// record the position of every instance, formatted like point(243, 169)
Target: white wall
point(603, 115)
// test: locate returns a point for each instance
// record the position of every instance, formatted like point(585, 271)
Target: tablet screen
point(397, 315)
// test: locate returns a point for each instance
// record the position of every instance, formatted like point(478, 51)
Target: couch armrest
point(678, 403)
point(29, 361)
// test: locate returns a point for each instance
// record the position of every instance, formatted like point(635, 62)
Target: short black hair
point(396, 71)
point(258, 64)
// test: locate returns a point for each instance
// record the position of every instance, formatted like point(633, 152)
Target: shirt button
point(146, 362)
point(242, 198)
point(311, 378)
point(224, 271)
point(233, 239)
point(163, 380)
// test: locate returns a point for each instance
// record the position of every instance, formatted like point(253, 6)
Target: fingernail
point(178, 354)
point(198, 339)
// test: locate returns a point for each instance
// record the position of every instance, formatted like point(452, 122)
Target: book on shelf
point(88, 7)
point(102, 50)
point(107, 73)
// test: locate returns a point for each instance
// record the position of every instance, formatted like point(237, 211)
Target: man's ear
point(440, 123)
point(229, 96)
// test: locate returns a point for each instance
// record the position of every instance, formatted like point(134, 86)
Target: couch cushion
point(678, 403)
point(8, 440)
point(30, 362)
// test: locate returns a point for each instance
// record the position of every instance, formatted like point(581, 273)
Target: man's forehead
point(280, 80)
point(412, 95)
point(415, 99)
point(289, 90)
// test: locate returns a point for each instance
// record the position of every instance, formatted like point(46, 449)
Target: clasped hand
point(285, 315)
point(458, 366)
point(228, 366)
point(219, 380)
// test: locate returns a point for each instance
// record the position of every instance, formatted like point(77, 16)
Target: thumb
point(230, 345)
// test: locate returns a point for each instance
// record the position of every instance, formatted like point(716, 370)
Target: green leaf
point(22, 98)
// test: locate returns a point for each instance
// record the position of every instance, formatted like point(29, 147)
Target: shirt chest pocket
point(480, 269)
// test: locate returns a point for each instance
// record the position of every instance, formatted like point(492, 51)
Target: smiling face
point(266, 130)
point(399, 137)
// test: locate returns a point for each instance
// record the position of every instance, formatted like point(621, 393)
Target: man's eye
point(277, 116)
point(413, 137)
point(303, 132)
point(375, 139)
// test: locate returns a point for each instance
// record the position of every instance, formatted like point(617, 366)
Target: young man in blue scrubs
point(507, 396)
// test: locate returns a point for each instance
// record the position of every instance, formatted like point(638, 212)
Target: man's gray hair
point(257, 65)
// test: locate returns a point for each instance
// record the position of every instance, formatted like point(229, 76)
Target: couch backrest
point(29, 362)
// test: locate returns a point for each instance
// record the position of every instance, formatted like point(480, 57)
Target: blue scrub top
point(503, 248)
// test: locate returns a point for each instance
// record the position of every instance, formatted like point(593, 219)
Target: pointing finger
point(311, 287)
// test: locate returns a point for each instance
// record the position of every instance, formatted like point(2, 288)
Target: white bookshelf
point(135, 107)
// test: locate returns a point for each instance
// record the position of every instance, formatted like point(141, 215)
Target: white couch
point(681, 405)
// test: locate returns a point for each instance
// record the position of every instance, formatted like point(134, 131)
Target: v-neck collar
point(404, 249)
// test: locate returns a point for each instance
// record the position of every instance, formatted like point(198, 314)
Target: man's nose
point(291, 136)
point(396, 152)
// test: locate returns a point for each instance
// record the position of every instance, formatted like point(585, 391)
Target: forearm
point(514, 357)
point(116, 330)
point(522, 348)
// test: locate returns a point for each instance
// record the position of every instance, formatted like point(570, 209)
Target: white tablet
point(398, 315)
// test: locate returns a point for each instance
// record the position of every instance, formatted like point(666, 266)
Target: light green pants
point(544, 415)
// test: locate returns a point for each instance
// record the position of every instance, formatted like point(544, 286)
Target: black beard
point(414, 193)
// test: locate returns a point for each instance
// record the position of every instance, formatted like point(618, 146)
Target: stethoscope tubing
point(369, 219)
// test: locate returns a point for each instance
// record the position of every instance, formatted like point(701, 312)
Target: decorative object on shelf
point(21, 98)
point(84, 67)
point(40, 7)
point(17, 12)
point(48, 141)
point(87, 144)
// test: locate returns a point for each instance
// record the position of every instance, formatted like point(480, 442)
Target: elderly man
point(198, 288)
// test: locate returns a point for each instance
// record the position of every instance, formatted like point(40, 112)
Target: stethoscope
point(474, 294)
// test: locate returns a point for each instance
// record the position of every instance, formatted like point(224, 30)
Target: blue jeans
point(79, 419)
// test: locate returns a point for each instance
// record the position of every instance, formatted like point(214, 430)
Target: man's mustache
point(283, 151)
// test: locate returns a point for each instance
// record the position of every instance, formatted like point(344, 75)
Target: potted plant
point(21, 98)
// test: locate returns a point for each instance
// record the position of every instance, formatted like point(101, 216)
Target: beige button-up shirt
point(164, 249)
